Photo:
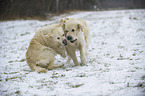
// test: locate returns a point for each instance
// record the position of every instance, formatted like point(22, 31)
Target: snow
point(115, 65)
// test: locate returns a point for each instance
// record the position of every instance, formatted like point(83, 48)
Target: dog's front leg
point(68, 60)
point(82, 55)
point(72, 55)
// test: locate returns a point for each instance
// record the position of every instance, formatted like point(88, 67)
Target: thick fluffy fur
point(77, 33)
point(44, 46)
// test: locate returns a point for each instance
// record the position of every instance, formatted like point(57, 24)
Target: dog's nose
point(69, 37)
point(64, 42)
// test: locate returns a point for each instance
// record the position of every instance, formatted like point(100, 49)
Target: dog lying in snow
point(77, 34)
point(44, 46)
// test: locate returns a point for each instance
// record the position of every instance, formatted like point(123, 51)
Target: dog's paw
point(77, 64)
point(43, 70)
point(82, 64)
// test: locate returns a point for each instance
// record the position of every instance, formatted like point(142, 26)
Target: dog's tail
point(87, 38)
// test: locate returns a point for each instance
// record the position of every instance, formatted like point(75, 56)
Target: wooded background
point(15, 9)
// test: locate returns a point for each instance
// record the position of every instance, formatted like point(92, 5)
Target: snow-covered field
point(115, 65)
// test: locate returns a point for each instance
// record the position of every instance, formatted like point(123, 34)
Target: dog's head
point(72, 28)
point(57, 40)
point(57, 36)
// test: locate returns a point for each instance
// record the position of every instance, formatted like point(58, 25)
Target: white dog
point(44, 46)
point(77, 32)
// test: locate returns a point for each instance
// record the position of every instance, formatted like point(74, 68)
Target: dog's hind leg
point(40, 69)
point(52, 66)
point(42, 63)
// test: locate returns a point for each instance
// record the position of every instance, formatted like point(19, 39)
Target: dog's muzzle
point(72, 41)
point(70, 38)
point(64, 42)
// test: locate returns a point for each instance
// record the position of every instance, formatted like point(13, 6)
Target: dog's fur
point(44, 46)
point(79, 31)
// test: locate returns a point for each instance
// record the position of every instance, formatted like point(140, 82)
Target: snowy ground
point(115, 65)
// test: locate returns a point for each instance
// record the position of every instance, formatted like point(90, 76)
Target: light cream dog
point(77, 33)
point(44, 46)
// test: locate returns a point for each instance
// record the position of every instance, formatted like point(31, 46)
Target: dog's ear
point(80, 27)
point(46, 37)
point(65, 19)
point(61, 22)
point(49, 35)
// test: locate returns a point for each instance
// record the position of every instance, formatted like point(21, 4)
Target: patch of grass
point(135, 49)
point(11, 61)
point(130, 59)
point(112, 82)
point(93, 48)
point(92, 60)
point(22, 60)
point(25, 33)
point(30, 86)
point(81, 75)
point(140, 85)
point(138, 43)
point(17, 92)
point(11, 73)
point(68, 69)
point(12, 78)
point(121, 58)
point(137, 59)
point(140, 51)
point(134, 18)
point(120, 47)
point(100, 69)
point(74, 85)
point(143, 77)
point(106, 65)
point(140, 30)
point(124, 58)
point(52, 82)
point(128, 84)
point(39, 87)
point(134, 54)
point(63, 75)
point(103, 43)
point(56, 75)
point(132, 71)
point(105, 70)
point(15, 77)
point(112, 57)
point(137, 68)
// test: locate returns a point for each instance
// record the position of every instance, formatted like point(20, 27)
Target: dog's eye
point(63, 35)
point(58, 38)
point(73, 30)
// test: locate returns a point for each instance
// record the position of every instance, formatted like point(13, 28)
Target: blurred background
point(42, 9)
